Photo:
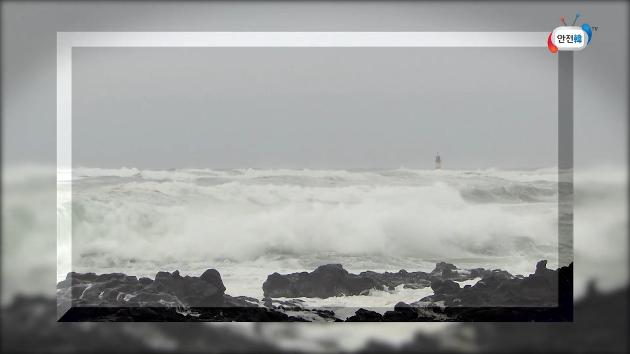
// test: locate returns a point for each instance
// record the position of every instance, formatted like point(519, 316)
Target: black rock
point(118, 289)
point(325, 281)
point(444, 270)
point(278, 285)
point(499, 288)
point(400, 315)
point(420, 285)
point(145, 281)
point(444, 287)
point(213, 277)
point(410, 280)
point(363, 315)
point(191, 291)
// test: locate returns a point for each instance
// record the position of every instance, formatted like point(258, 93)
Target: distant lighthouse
point(438, 162)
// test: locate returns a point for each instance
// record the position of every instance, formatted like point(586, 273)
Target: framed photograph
point(313, 176)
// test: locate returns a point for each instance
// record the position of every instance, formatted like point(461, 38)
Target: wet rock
point(332, 280)
point(278, 285)
point(191, 291)
point(449, 271)
point(498, 296)
point(145, 281)
point(363, 315)
point(414, 313)
point(213, 277)
point(410, 280)
point(325, 281)
point(418, 285)
point(444, 270)
point(169, 297)
point(500, 288)
point(118, 289)
point(541, 269)
point(443, 288)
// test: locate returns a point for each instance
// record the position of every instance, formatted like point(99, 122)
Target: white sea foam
point(378, 300)
point(161, 217)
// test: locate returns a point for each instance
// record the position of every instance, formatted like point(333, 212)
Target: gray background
point(28, 52)
point(314, 107)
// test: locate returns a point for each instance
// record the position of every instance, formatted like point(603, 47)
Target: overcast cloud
point(314, 107)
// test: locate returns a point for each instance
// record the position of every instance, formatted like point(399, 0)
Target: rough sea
point(249, 223)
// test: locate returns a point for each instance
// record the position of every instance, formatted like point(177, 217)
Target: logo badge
point(571, 38)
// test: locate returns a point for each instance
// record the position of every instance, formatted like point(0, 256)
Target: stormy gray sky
point(314, 107)
point(28, 39)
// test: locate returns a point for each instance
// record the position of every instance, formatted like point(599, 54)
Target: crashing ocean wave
point(130, 216)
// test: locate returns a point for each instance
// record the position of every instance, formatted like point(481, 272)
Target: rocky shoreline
point(544, 295)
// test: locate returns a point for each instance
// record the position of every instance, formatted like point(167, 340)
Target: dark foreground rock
point(540, 288)
point(168, 297)
point(325, 281)
point(332, 280)
point(388, 280)
point(166, 290)
point(545, 296)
